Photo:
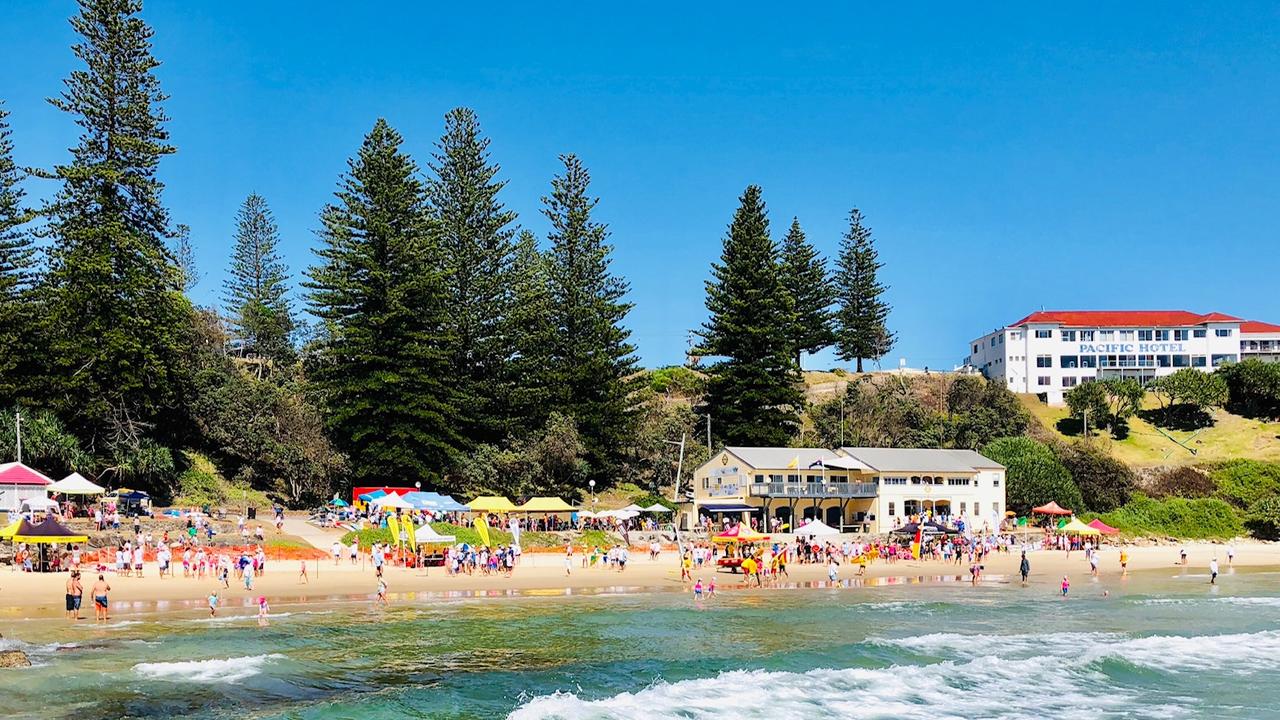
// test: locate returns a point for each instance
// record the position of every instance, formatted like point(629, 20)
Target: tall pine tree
point(382, 365)
point(592, 367)
point(861, 319)
point(118, 324)
point(529, 325)
point(753, 391)
point(255, 294)
point(17, 276)
point(475, 234)
point(804, 275)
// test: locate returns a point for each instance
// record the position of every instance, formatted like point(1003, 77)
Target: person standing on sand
point(1024, 568)
point(75, 592)
point(1231, 555)
point(1213, 571)
point(100, 604)
point(213, 604)
point(1093, 564)
point(1183, 555)
point(568, 560)
point(336, 549)
point(302, 574)
point(382, 592)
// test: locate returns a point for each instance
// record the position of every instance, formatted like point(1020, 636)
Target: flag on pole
point(795, 463)
point(394, 526)
point(916, 542)
point(410, 540)
point(482, 529)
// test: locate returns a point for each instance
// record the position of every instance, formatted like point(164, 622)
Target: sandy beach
point(27, 595)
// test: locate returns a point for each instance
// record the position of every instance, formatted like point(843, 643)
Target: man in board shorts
point(100, 605)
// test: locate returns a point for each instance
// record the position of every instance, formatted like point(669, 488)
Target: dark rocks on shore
point(14, 658)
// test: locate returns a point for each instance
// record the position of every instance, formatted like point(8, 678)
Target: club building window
point(1068, 381)
point(1044, 361)
point(1069, 361)
point(1044, 334)
point(1043, 381)
point(891, 513)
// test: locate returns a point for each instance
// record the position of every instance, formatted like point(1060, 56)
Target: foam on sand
point(216, 670)
point(1060, 675)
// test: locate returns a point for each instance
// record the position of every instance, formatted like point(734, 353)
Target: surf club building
point(865, 490)
point(1049, 352)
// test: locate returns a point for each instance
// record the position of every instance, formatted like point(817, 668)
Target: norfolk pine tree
point(381, 365)
point(255, 294)
point(804, 275)
point(475, 235)
point(532, 336)
point(753, 392)
point(592, 365)
point(861, 330)
point(118, 324)
point(17, 276)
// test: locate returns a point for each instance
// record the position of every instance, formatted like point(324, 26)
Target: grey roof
point(921, 459)
point(773, 458)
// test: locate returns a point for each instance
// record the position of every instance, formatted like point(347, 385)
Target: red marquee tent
point(1103, 528)
point(1051, 508)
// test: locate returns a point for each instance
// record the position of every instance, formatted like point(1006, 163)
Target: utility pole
point(675, 495)
point(708, 433)
point(1086, 424)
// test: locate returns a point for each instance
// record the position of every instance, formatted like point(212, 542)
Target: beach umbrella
point(338, 502)
point(632, 508)
point(1051, 508)
point(657, 508)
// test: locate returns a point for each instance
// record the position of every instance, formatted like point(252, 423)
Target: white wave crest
point(216, 670)
point(989, 676)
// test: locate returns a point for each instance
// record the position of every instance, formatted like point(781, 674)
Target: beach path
point(321, 538)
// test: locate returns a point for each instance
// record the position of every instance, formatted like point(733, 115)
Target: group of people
point(75, 596)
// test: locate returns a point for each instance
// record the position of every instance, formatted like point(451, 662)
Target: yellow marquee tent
point(491, 503)
point(545, 505)
point(1075, 527)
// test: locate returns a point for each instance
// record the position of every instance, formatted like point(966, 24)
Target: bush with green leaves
point(1244, 482)
point(1184, 482)
point(1253, 388)
point(1205, 518)
point(1033, 475)
point(1105, 483)
point(1263, 519)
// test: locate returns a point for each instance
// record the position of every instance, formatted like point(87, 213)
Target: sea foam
point(991, 676)
point(216, 670)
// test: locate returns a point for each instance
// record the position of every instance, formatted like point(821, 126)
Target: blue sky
point(1008, 158)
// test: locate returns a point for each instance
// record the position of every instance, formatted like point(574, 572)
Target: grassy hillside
point(1231, 436)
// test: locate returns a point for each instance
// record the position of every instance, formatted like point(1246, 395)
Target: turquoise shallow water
point(1163, 645)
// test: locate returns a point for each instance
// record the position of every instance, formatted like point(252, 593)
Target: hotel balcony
point(813, 490)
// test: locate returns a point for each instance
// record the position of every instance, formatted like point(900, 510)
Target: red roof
point(15, 473)
point(1255, 327)
point(1123, 318)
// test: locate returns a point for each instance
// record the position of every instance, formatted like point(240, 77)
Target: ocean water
point(1163, 645)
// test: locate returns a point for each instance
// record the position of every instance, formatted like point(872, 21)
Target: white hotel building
point(1050, 352)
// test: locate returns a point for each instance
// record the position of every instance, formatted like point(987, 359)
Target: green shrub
point(1264, 518)
point(678, 380)
point(1244, 482)
point(1105, 481)
point(1176, 517)
point(1185, 482)
point(1033, 475)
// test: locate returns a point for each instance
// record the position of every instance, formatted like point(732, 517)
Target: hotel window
point(1044, 361)
point(1126, 334)
point(1106, 335)
point(1164, 361)
point(1198, 360)
point(1219, 359)
point(1069, 361)
point(890, 508)
point(1182, 361)
point(1128, 361)
point(1180, 335)
point(1069, 381)
point(1044, 333)
point(1088, 361)
point(1146, 361)
point(1162, 335)
point(1068, 336)
point(1144, 335)
point(1015, 335)
point(957, 481)
point(993, 341)
point(1198, 332)
point(1086, 336)
point(1043, 381)
point(1222, 332)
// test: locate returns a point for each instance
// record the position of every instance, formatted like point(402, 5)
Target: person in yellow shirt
point(749, 568)
point(1124, 563)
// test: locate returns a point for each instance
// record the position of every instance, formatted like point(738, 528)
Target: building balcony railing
point(724, 491)
point(814, 490)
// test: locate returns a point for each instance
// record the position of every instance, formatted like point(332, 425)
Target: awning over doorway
point(728, 507)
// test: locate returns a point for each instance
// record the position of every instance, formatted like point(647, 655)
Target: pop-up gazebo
point(1075, 527)
point(1102, 527)
point(76, 484)
point(49, 532)
point(491, 504)
point(1051, 508)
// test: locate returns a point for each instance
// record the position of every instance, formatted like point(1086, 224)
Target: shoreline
point(32, 596)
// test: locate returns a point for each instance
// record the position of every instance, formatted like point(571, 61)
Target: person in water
point(1066, 586)
point(1024, 568)
point(697, 590)
point(100, 604)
